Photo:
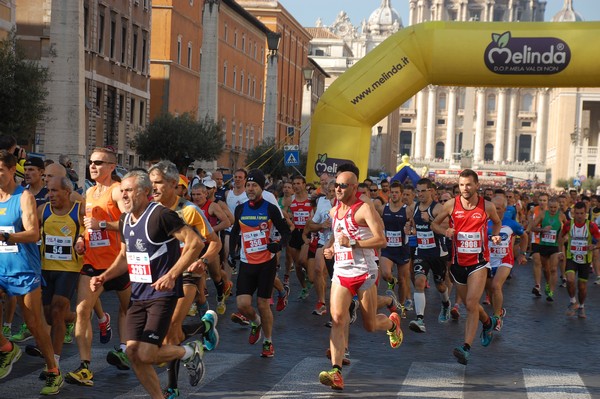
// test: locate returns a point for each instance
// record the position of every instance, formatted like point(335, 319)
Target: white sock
point(267, 339)
point(9, 325)
point(123, 347)
point(573, 300)
point(257, 320)
point(444, 295)
point(57, 360)
point(419, 303)
point(188, 352)
point(103, 319)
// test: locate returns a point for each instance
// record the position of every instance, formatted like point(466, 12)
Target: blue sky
point(307, 11)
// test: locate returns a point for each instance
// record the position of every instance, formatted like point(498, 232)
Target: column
point(542, 126)
point(500, 126)
point(411, 12)
point(270, 117)
point(450, 124)
point(420, 133)
point(209, 67)
point(479, 126)
point(512, 125)
point(431, 107)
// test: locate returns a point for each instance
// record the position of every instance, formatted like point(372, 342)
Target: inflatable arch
point(492, 54)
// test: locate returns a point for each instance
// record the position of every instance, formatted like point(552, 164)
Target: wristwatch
point(352, 242)
point(204, 260)
point(102, 224)
point(6, 236)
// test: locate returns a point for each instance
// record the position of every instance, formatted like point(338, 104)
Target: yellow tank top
point(59, 234)
point(102, 246)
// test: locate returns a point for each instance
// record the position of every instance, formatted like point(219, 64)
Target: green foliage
point(563, 183)
point(268, 157)
point(180, 139)
point(22, 91)
point(587, 184)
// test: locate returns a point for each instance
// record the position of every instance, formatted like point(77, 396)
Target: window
point(498, 15)
point(144, 51)
point(113, 32)
point(134, 48)
point(225, 33)
point(439, 150)
point(254, 88)
point(527, 102)
point(407, 105)
point(489, 123)
point(441, 121)
point(123, 40)
point(244, 42)
point(319, 52)
point(189, 55)
point(242, 82)
point(255, 51)
point(235, 38)
point(121, 105)
point(86, 23)
point(101, 31)
point(131, 109)
point(225, 74)
point(524, 148)
point(491, 103)
point(526, 124)
point(406, 120)
point(247, 137)
point(405, 142)
point(179, 49)
point(241, 138)
point(142, 113)
point(233, 132)
point(234, 78)
point(488, 152)
point(98, 98)
point(442, 101)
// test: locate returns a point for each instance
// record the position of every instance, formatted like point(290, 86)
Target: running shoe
point(396, 336)
point(33, 350)
point(194, 363)
point(303, 294)
point(392, 284)
point(332, 378)
point(409, 305)
point(572, 309)
point(105, 330)
point(193, 311)
point(550, 296)
point(81, 376)
point(563, 281)
point(597, 281)
point(6, 331)
point(487, 300)
point(320, 309)
point(23, 335)
point(118, 358)
point(502, 313)
point(170, 393)
point(499, 324)
point(444, 315)
point(581, 313)
point(536, 291)
point(7, 359)
point(345, 359)
point(487, 334)
point(267, 350)
point(286, 279)
point(69, 333)
point(394, 306)
point(547, 289)
point(328, 324)
point(221, 307)
point(282, 300)
point(240, 319)
point(255, 333)
point(227, 290)
point(402, 311)
point(417, 326)
point(353, 310)
point(211, 336)
point(54, 383)
point(455, 312)
point(461, 355)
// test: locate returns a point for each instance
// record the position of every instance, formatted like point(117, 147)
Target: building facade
point(7, 17)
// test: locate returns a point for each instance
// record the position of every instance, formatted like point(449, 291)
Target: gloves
point(274, 247)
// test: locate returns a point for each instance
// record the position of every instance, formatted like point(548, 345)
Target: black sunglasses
point(99, 162)
point(443, 201)
point(343, 186)
point(373, 191)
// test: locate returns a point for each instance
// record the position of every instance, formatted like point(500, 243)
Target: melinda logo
point(329, 165)
point(507, 55)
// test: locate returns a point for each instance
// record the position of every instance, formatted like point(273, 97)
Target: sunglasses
point(373, 191)
point(443, 201)
point(343, 186)
point(99, 162)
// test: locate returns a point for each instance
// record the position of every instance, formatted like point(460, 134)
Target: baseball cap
point(183, 181)
point(209, 183)
point(34, 161)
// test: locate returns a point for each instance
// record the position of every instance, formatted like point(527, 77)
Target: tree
point(180, 139)
point(268, 157)
point(22, 91)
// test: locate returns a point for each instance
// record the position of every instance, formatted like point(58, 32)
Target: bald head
point(347, 177)
point(55, 170)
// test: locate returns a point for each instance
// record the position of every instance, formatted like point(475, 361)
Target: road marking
point(23, 386)
point(433, 380)
point(551, 384)
point(303, 380)
point(216, 364)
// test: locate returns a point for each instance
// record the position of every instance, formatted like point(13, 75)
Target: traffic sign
point(291, 157)
point(577, 182)
point(290, 130)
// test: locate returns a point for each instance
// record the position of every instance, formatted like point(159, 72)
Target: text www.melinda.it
point(384, 77)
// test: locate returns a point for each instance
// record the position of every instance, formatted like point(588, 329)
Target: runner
point(469, 214)
point(358, 231)
point(533, 213)
point(301, 211)
point(254, 220)
point(150, 251)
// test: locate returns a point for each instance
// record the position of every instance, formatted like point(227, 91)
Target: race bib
point(394, 238)
point(139, 267)
point(343, 255)
point(58, 248)
point(579, 250)
point(300, 218)
point(425, 240)
point(468, 243)
point(4, 247)
point(549, 236)
point(254, 241)
point(99, 238)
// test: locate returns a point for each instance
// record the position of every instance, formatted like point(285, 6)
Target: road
point(540, 353)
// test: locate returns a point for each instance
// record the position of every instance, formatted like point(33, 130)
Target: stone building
point(7, 17)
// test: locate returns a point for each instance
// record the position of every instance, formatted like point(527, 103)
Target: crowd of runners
point(162, 242)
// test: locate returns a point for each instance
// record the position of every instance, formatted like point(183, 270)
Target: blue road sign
point(291, 158)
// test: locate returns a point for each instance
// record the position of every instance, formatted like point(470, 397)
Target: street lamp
point(379, 130)
point(273, 39)
point(308, 73)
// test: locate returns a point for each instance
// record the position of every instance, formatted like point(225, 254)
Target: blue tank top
point(429, 244)
point(394, 223)
point(18, 258)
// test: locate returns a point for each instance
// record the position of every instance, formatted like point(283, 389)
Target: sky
point(307, 11)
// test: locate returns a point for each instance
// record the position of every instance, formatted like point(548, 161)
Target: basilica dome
point(567, 14)
point(384, 19)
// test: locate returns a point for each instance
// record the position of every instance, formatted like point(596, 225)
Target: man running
point(469, 214)
point(357, 232)
point(150, 252)
point(534, 212)
point(301, 210)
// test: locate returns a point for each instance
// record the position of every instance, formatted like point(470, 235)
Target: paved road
point(540, 353)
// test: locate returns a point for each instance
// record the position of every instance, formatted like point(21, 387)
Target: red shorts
point(354, 284)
